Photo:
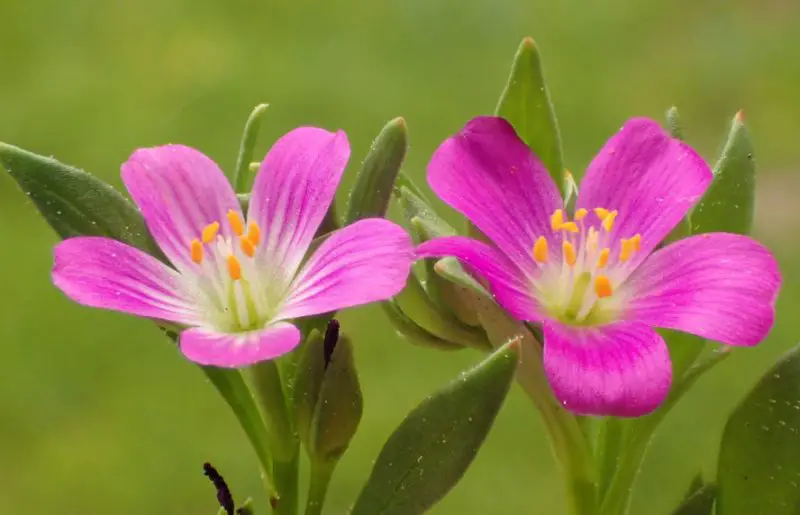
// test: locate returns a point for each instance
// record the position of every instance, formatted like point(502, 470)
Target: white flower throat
point(577, 286)
point(229, 284)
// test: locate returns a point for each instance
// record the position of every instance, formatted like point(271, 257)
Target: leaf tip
point(528, 43)
point(739, 117)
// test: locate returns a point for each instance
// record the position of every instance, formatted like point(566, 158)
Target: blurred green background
point(99, 414)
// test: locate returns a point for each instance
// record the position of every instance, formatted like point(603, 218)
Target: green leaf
point(240, 178)
point(700, 502)
point(421, 216)
point(74, 202)
point(415, 303)
point(433, 447)
point(373, 187)
point(728, 204)
point(412, 332)
point(759, 459)
point(525, 103)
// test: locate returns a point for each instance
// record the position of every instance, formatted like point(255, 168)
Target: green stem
point(268, 386)
point(286, 479)
point(320, 479)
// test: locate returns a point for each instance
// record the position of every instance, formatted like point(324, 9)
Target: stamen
point(628, 246)
point(557, 219)
point(196, 251)
point(602, 261)
point(210, 232)
point(608, 221)
point(581, 213)
point(248, 247)
point(569, 253)
point(254, 233)
point(601, 213)
point(637, 242)
point(540, 250)
point(234, 268)
point(236, 222)
point(602, 286)
point(569, 226)
point(591, 239)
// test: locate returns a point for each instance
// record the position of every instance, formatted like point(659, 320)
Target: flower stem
point(286, 479)
point(270, 395)
point(321, 473)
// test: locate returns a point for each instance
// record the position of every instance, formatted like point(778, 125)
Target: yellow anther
point(602, 286)
point(569, 253)
point(637, 242)
point(581, 213)
point(602, 260)
point(557, 219)
point(540, 250)
point(248, 247)
point(210, 232)
point(196, 251)
point(628, 246)
point(237, 225)
point(608, 221)
point(601, 213)
point(570, 227)
point(254, 233)
point(234, 268)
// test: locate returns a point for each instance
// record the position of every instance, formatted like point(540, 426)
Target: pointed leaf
point(432, 448)
point(373, 187)
point(701, 502)
point(525, 103)
point(412, 332)
point(759, 458)
point(74, 202)
point(241, 176)
point(674, 123)
point(728, 204)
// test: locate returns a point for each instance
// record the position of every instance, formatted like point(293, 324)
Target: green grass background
point(99, 414)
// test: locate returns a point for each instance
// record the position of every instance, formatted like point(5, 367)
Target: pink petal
point(294, 187)
point(490, 176)
point(506, 282)
point(208, 347)
point(104, 273)
point(651, 179)
point(719, 286)
point(365, 262)
point(179, 191)
point(622, 369)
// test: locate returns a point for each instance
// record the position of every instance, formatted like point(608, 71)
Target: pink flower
point(236, 280)
point(595, 282)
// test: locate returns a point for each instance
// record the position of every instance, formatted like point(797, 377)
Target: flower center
point(578, 286)
point(229, 283)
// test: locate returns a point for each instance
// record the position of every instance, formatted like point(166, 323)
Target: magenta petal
point(207, 347)
point(365, 262)
point(650, 178)
point(506, 282)
point(490, 176)
point(719, 286)
point(621, 369)
point(294, 187)
point(104, 273)
point(179, 191)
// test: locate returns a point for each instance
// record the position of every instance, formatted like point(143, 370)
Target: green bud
point(328, 402)
point(308, 380)
point(674, 123)
point(339, 405)
point(728, 204)
point(373, 187)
